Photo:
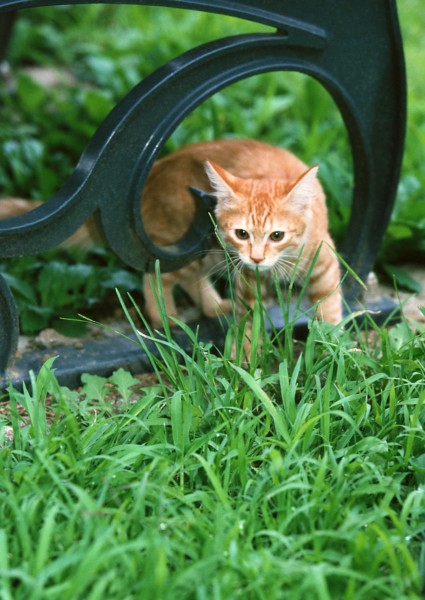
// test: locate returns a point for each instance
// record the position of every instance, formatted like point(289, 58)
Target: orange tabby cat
point(270, 213)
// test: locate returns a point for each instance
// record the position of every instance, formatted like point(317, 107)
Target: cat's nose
point(257, 260)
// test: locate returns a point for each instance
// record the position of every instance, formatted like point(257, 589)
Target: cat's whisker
point(289, 265)
point(218, 271)
point(213, 251)
point(282, 273)
point(283, 265)
point(240, 266)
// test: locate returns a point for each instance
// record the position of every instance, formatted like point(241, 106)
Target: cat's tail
point(86, 237)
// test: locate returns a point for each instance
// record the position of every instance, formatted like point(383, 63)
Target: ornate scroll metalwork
point(352, 48)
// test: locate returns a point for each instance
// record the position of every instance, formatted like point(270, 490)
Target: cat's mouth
point(257, 266)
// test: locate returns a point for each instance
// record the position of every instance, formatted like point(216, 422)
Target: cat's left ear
point(304, 189)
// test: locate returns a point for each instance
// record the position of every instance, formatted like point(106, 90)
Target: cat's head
point(263, 221)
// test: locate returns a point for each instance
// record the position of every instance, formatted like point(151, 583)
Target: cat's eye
point(277, 236)
point(242, 234)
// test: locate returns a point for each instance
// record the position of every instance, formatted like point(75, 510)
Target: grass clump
point(299, 475)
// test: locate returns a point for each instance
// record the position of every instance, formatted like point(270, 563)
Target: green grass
point(300, 476)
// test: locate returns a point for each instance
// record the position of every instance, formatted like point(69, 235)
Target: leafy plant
point(53, 286)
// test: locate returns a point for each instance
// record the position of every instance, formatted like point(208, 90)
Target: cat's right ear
point(304, 189)
point(222, 182)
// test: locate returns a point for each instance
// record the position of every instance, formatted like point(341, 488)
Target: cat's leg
point(203, 293)
point(206, 297)
point(196, 282)
point(330, 308)
point(324, 287)
point(153, 299)
point(247, 292)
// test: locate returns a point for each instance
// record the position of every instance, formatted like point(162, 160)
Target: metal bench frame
point(353, 49)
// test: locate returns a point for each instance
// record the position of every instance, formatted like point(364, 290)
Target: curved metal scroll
point(324, 44)
point(8, 325)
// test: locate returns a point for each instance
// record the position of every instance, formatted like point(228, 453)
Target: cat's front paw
point(225, 307)
point(330, 309)
point(217, 309)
